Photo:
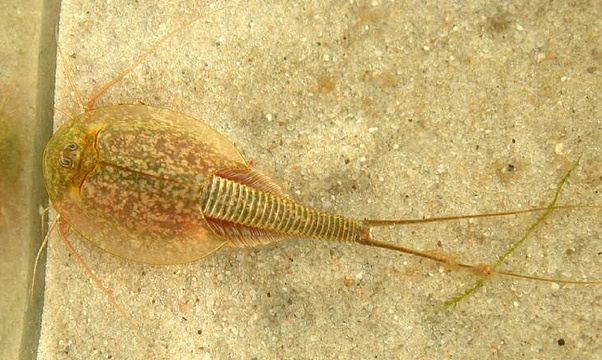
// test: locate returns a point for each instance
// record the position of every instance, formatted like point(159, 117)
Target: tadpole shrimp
point(136, 182)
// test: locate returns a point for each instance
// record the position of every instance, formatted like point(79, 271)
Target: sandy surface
point(378, 109)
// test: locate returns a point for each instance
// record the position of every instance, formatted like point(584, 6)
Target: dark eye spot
point(65, 161)
point(70, 147)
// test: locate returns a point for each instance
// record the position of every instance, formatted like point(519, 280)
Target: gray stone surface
point(375, 109)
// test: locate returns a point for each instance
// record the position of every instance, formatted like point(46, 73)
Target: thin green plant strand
point(453, 301)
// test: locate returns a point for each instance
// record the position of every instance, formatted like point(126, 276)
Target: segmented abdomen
point(241, 205)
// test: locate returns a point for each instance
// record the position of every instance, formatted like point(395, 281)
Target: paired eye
point(65, 161)
point(70, 147)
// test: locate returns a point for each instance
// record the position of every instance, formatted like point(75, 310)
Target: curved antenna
point(92, 101)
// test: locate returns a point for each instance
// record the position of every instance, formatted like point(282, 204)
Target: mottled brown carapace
point(130, 179)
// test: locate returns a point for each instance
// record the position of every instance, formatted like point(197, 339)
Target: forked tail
point(482, 270)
